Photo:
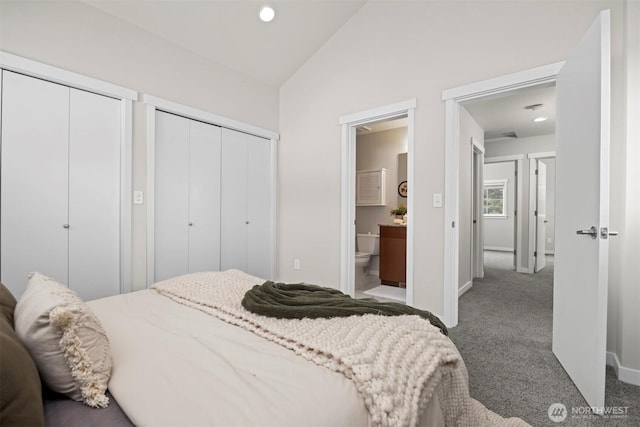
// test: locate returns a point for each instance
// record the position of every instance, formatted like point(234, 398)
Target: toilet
point(368, 245)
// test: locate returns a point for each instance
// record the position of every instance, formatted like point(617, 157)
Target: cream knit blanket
point(396, 362)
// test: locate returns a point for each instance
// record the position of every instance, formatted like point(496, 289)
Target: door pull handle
point(593, 232)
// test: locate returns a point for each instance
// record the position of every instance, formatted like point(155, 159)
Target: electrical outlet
point(138, 197)
point(296, 264)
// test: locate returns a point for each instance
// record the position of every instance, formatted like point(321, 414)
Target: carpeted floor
point(504, 336)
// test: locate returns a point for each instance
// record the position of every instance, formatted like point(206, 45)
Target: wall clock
point(402, 189)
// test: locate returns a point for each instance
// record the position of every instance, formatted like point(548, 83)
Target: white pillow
point(65, 339)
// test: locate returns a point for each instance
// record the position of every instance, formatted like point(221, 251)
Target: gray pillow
point(21, 392)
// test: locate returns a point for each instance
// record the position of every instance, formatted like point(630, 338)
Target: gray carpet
point(504, 336)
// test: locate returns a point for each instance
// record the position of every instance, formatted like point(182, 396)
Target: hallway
point(504, 336)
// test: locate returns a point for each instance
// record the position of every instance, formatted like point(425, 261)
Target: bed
point(180, 355)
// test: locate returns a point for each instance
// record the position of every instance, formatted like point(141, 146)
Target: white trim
point(151, 200)
point(374, 114)
point(451, 213)
point(273, 211)
point(476, 146)
point(464, 288)
point(532, 77)
point(519, 213)
point(126, 181)
point(348, 196)
point(499, 159)
point(410, 204)
point(204, 116)
point(498, 248)
point(453, 97)
point(542, 155)
point(628, 375)
point(531, 264)
point(39, 70)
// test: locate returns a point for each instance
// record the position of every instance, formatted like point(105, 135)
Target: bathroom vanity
point(393, 255)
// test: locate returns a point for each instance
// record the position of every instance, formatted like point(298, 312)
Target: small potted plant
point(399, 212)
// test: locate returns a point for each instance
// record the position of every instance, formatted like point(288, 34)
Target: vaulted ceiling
point(229, 31)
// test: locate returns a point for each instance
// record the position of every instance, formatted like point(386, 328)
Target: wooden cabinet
point(393, 255)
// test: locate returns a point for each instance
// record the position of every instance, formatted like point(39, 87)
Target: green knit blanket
point(299, 300)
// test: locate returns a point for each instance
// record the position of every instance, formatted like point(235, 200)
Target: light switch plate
point(437, 200)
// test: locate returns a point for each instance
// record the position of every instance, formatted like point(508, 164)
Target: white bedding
point(176, 366)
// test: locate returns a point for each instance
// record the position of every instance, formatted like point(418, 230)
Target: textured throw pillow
point(65, 339)
point(20, 391)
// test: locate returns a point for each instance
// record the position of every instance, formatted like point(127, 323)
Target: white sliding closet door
point(234, 202)
point(246, 193)
point(94, 195)
point(171, 196)
point(204, 197)
point(35, 126)
point(61, 190)
point(187, 196)
point(258, 206)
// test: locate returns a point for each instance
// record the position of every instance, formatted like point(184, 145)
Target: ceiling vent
point(499, 136)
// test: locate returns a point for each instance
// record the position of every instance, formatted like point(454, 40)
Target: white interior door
point(541, 215)
point(204, 197)
point(234, 220)
point(34, 194)
point(171, 196)
point(582, 202)
point(94, 195)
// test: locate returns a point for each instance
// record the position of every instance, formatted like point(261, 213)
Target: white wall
point(77, 37)
point(422, 49)
point(375, 151)
point(469, 128)
point(499, 231)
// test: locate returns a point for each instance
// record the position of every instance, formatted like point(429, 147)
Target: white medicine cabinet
point(370, 187)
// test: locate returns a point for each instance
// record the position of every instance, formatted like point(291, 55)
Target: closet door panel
point(204, 197)
point(34, 180)
point(233, 227)
point(94, 195)
point(258, 209)
point(171, 196)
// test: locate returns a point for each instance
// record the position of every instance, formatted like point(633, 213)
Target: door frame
point(533, 192)
point(154, 103)
point(477, 230)
point(348, 124)
point(453, 98)
point(518, 160)
point(126, 97)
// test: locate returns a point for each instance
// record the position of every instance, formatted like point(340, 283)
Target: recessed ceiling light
point(267, 14)
point(539, 119)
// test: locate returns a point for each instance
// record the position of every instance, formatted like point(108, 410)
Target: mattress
point(175, 366)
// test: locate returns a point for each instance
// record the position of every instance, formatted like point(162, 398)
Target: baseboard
point(498, 248)
point(464, 288)
point(627, 375)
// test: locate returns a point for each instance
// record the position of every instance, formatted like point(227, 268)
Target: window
point(495, 198)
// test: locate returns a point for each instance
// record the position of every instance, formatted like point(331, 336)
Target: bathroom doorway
point(381, 209)
point(350, 124)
